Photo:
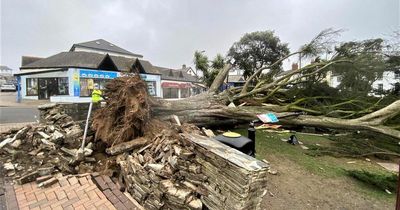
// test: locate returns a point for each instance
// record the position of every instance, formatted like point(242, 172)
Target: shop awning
point(176, 85)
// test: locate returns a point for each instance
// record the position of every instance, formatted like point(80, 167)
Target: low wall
point(78, 111)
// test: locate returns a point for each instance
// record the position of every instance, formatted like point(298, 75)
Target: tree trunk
point(210, 110)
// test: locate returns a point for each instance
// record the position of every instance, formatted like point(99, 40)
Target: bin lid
point(235, 142)
point(231, 134)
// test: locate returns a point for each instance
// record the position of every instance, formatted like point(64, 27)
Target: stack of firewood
point(191, 171)
point(235, 180)
point(164, 174)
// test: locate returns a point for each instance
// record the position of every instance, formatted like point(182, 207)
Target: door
point(52, 87)
point(42, 89)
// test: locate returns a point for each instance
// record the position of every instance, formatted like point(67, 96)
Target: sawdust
point(126, 113)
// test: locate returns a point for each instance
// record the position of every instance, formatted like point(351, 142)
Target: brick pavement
point(113, 193)
point(71, 192)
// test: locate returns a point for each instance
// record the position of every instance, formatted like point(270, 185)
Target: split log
point(127, 146)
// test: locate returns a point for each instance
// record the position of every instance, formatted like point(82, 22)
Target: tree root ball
point(126, 113)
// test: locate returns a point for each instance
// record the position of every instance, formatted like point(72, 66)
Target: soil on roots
point(127, 111)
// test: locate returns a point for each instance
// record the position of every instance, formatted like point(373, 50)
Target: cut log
point(127, 146)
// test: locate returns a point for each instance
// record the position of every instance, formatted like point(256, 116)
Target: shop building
point(178, 84)
point(70, 76)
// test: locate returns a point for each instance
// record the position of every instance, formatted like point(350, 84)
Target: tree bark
point(211, 110)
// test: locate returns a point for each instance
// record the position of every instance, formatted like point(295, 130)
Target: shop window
point(63, 86)
point(86, 90)
point(87, 85)
point(151, 88)
point(170, 92)
point(185, 92)
point(31, 86)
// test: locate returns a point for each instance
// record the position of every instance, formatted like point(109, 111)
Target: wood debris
point(191, 171)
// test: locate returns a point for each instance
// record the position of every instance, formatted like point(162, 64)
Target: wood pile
point(235, 180)
point(164, 174)
point(189, 171)
point(45, 148)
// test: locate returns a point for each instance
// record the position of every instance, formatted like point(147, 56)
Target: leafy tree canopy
point(210, 69)
point(256, 50)
point(367, 64)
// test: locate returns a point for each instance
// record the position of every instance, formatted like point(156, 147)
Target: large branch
point(258, 71)
point(383, 114)
point(281, 81)
point(219, 79)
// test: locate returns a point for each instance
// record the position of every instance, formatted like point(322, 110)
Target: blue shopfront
point(74, 84)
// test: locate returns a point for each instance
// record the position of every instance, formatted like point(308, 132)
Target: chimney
point(183, 66)
point(295, 66)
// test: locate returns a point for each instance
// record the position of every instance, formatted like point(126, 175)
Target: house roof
point(147, 67)
point(101, 44)
point(91, 60)
point(123, 63)
point(175, 74)
point(29, 59)
point(2, 67)
point(74, 59)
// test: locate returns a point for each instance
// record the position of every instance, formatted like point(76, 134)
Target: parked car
point(7, 87)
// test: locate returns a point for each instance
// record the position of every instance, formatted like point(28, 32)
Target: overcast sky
point(168, 32)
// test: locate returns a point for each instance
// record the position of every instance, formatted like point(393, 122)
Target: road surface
point(18, 114)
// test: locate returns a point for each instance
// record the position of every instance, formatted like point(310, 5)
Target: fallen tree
point(211, 108)
point(126, 117)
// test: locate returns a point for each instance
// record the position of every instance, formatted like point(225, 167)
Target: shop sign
point(97, 74)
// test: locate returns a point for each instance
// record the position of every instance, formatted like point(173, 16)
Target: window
point(63, 86)
point(185, 92)
point(87, 85)
point(397, 74)
point(31, 86)
point(170, 92)
point(397, 88)
point(380, 88)
point(151, 88)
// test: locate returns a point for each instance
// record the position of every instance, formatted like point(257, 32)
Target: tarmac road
point(18, 114)
point(13, 112)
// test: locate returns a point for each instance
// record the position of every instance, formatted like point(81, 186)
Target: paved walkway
point(9, 99)
point(71, 192)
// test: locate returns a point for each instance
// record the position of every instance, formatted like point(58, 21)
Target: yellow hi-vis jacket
point(96, 96)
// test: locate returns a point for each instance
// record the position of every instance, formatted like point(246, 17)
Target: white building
point(178, 83)
point(5, 71)
point(70, 76)
point(388, 81)
point(103, 47)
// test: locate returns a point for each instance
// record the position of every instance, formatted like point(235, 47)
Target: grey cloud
point(168, 32)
